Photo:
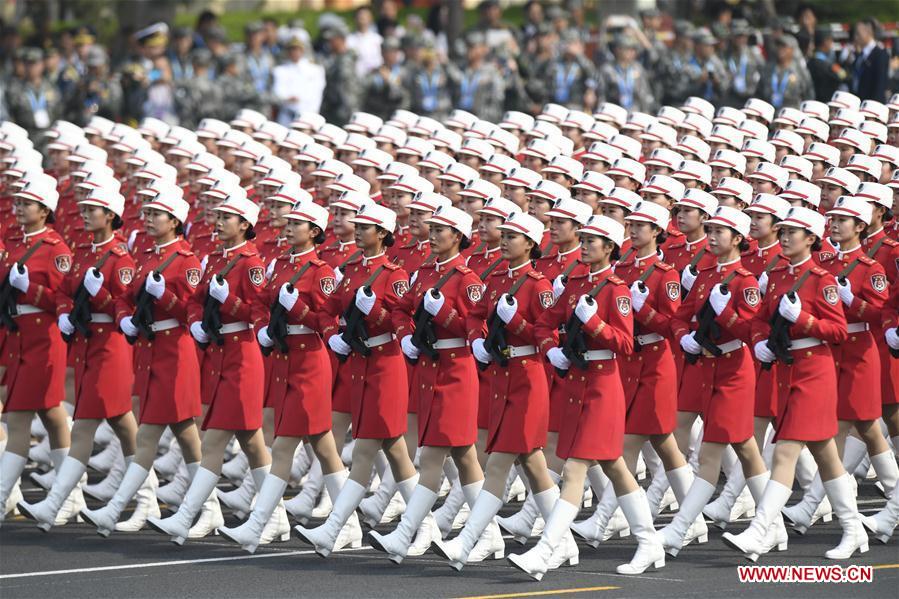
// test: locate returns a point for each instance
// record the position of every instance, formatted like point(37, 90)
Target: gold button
point(38, 321)
point(168, 333)
point(235, 337)
point(100, 330)
point(302, 346)
point(808, 354)
point(452, 355)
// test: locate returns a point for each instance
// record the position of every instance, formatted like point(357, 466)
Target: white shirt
point(367, 45)
point(304, 80)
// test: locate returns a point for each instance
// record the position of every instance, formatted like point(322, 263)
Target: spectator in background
point(237, 90)
point(679, 70)
point(198, 96)
point(179, 54)
point(478, 86)
point(298, 83)
point(258, 63)
point(783, 83)
point(714, 78)
point(32, 101)
point(827, 74)
point(97, 93)
point(490, 23)
point(384, 88)
point(206, 22)
point(624, 81)
point(744, 63)
point(271, 41)
point(387, 23)
point(533, 18)
point(342, 88)
point(869, 64)
point(571, 80)
point(428, 84)
point(365, 41)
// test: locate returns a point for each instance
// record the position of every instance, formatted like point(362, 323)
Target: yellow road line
point(886, 566)
point(541, 593)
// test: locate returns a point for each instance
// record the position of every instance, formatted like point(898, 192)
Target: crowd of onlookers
point(561, 53)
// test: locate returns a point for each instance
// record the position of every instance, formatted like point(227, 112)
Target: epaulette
point(663, 266)
point(616, 280)
point(819, 271)
point(52, 240)
point(743, 272)
point(627, 264)
point(249, 251)
point(318, 262)
point(463, 269)
point(890, 242)
point(185, 252)
point(865, 260)
point(118, 250)
point(534, 274)
point(678, 244)
point(427, 265)
point(391, 266)
point(781, 265)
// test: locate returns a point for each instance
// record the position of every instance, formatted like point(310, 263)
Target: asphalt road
point(72, 562)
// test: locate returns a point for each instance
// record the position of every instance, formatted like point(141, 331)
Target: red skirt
point(807, 396)
point(593, 418)
point(519, 407)
point(267, 377)
point(167, 379)
point(725, 388)
point(341, 401)
point(858, 366)
point(446, 391)
point(103, 373)
point(889, 371)
point(300, 387)
point(378, 388)
point(765, 391)
point(484, 395)
point(649, 379)
point(35, 360)
point(233, 383)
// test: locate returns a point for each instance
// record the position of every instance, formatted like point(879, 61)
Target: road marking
point(183, 562)
point(886, 566)
point(542, 593)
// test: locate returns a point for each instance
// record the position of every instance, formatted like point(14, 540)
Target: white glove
point(638, 298)
point(338, 275)
point(845, 291)
point(65, 325)
point(286, 298)
point(93, 280)
point(263, 338)
point(558, 286)
point(196, 330)
point(219, 291)
point(504, 309)
point(790, 310)
point(583, 310)
point(763, 282)
point(689, 344)
point(365, 302)
point(891, 337)
point(433, 304)
point(687, 279)
point(718, 299)
point(17, 279)
point(154, 287)
point(409, 348)
point(557, 358)
point(127, 327)
point(480, 352)
point(763, 353)
point(339, 346)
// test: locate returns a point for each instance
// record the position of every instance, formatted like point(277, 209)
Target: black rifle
point(424, 336)
point(212, 313)
point(8, 293)
point(142, 318)
point(495, 342)
point(80, 316)
point(779, 339)
point(277, 321)
point(692, 268)
point(575, 345)
point(641, 285)
point(707, 332)
point(354, 332)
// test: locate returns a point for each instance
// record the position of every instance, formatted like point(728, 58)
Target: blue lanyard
point(739, 72)
point(779, 87)
point(625, 86)
point(564, 81)
point(258, 72)
point(37, 102)
point(430, 85)
point(468, 88)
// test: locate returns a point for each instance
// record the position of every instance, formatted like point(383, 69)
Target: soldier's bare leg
point(283, 450)
point(870, 432)
point(268, 426)
point(253, 444)
point(83, 431)
point(19, 424)
point(125, 427)
point(325, 448)
point(891, 417)
point(188, 434)
point(411, 435)
point(431, 466)
point(57, 424)
point(497, 470)
point(685, 422)
point(481, 447)
point(466, 459)
point(553, 462)
point(574, 472)
point(340, 424)
point(622, 480)
point(750, 457)
point(669, 452)
point(397, 454)
point(710, 461)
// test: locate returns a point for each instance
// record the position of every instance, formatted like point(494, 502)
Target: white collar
point(638, 260)
point(488, 251)
point(156, 248)
point(560, 254)
point(96, 246)
point(447, 261)
point(841, 252)
point(293, 257)
point(720, 266)
point(761, 249)
point(873, 233)
point(421, 244)
point(279, 241)
point(593, 275)
point(365, 260)
point(25, 236)
point(512, 270)
point(233, 249)
point(690, 244)
point(793, 267)
point(343, 244)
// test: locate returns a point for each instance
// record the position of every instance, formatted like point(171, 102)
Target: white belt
point(299, 329)
point(857, 327)
point(22, 309)
point(804, 343)
point(649, 338)
point(725, 348)
point(379, 340)
point(234, 327)
point(164, 325)
point(450, 343)
point(99, 318)
point(519, 351)
point(599, 354)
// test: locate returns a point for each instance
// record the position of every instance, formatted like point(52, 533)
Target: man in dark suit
point(869, 69)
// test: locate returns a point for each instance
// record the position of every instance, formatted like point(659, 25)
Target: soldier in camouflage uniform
point(534, 66)
point(714, 78)
point(783, 82)
point(237, 91)
point(571, 79)
point(385, 89)
point(33, 102)
point(478, 86)
point(97, 92)
point(744, 63)
point(343, 87)
point(198, 96)
point(679, 71)
point(624, 81)
point(428, 85)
